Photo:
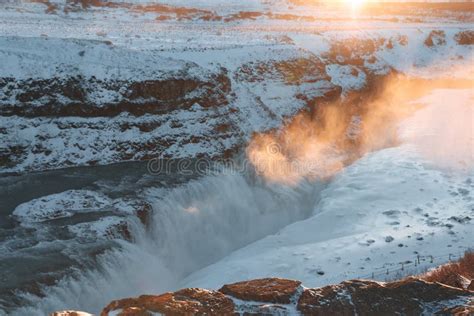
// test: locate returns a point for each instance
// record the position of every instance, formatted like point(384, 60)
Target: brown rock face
point(471, 286)
point(135, 97)
point(273, 296)
point(355, 51)
point(362, 297)
point(270, 290)
point(436, 38)
point(329, 300)
point(184, 302)
point(70, 313)
point(465, 38)
point(291, 72)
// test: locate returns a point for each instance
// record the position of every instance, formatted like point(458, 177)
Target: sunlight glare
point(355, 3)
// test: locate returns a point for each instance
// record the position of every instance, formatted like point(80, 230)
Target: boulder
point(272, 290)
point(190, 301)
point(70, 313)
point(410, 296)
point(436, 38)
point(465, 37)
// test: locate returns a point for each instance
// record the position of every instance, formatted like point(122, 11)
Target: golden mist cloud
point(318, 143)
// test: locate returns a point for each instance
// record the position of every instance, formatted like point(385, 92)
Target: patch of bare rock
point(407, 297)
point(436, 38)
point(33, 98)
point(465, 37)
point(183, 302)
point(70, 313)
point(270, 290)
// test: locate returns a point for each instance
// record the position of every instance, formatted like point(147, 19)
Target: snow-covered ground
point(391, 212)
point(385, 210)
point(69, 78)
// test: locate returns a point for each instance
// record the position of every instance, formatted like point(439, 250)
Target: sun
point(355, 3)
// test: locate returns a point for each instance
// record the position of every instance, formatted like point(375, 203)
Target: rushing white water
point(192, 226)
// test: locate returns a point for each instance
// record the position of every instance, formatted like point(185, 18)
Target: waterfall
point(192, 226)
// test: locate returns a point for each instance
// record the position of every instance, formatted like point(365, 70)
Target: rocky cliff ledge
point(273, 296)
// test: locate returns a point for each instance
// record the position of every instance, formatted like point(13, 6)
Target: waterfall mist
point(192, 226)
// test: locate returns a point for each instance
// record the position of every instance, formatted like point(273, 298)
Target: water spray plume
point(317, 144)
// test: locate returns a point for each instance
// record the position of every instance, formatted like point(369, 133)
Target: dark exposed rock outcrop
point(436, 38)
point(293, 72)
point(70, 313)
point(183, 302)
point(263, 290)
point(74, 96)
point(273, 296)
point(465, 37)
point(407, 297)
